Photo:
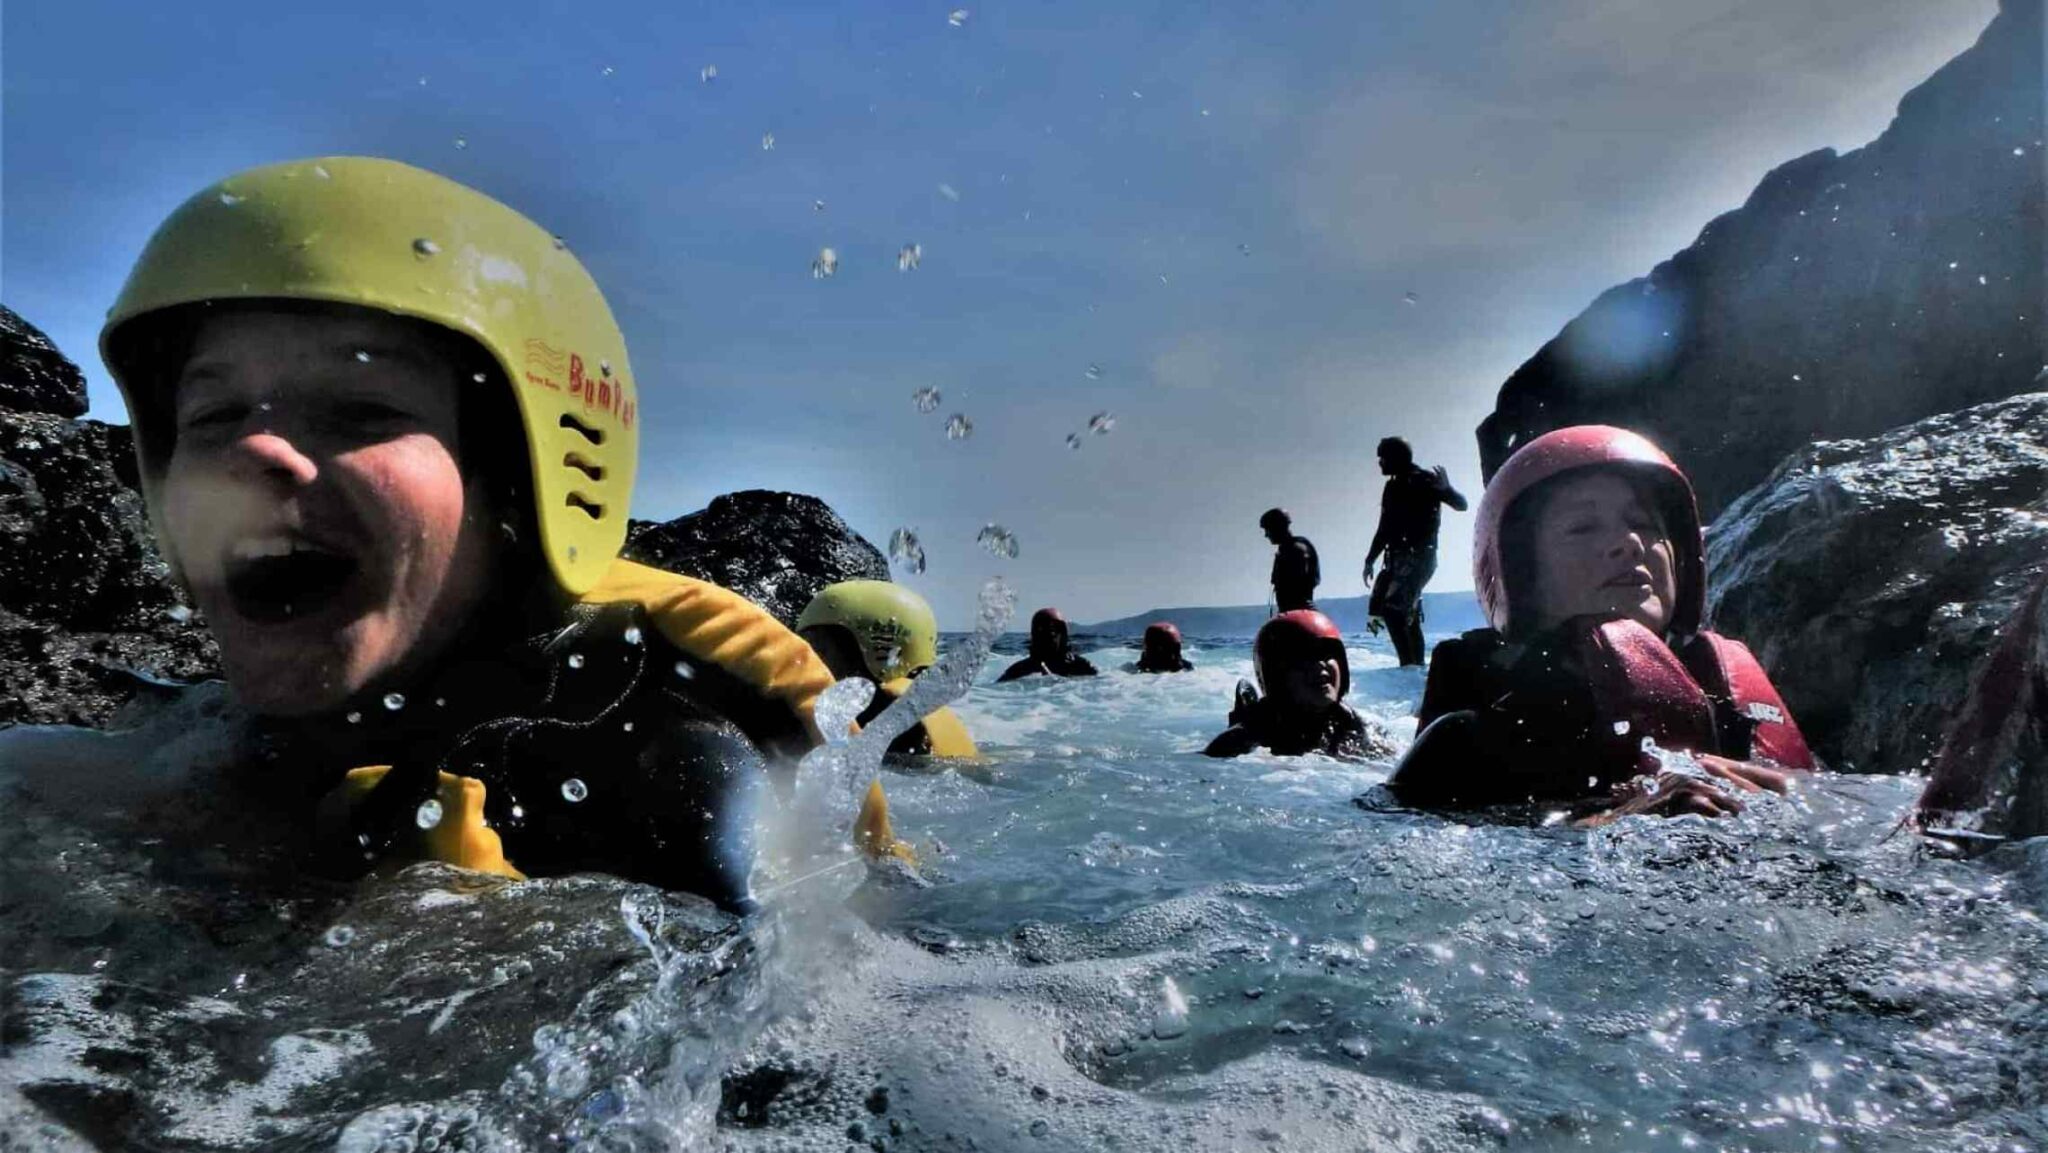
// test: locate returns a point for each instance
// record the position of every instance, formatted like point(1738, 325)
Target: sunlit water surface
point(1114, 942)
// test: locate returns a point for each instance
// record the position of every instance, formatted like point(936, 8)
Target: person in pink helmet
point(1303, 675)
point(1162, 650)
point(1596, 683)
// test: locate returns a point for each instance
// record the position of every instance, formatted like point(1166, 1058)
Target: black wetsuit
point(1411, 515)
point(1148, 663)
point(601, 747)
point(1296, 573)
point(1338, 731)
point(1067, 663)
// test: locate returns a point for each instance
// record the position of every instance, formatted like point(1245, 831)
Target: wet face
point(314, 502)
point(1048, 636)
point(837, 648)
point(1311, 684)
point(1600, 549)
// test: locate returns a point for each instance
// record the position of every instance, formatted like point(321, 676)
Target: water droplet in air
point(768, 142)
point(574, 790)
point(461, 143)
point(1409, 298)
point(479, 377)
point(958, 427)
point(1953, 263)
point(354, 718)
point(340, 937)
point(628, 726)
point(686, 670)
point(1795, 376)
point(2019, 152)
point(906, 550)
point(561, 245)
point(320, 170)
point(997, 540)
point(949, 192)
point(1621, 728)
point(608, 70)
point(394, 701)
point(1093, 372)
point(826, 264)
point(708, 73)
point(1101, 423)
point(575, 660)
point(817, 206)
point(926, 399)
point(604, 367)
point(424, 247)
point(1073, 440)
point(1981, 279)
point(908, 256)
point(632, 634)
point(957, 17)
point(1245, 248)
point(230, 199)
point(428, 814)
point(362, 357)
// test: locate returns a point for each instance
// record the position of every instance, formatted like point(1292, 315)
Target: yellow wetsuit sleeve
point(461, 838)
point(723, 628)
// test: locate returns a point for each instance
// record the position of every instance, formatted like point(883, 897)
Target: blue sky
point(1224, 208)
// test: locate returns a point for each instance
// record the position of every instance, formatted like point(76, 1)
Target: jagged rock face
point(777, 549)
point(84, 593)
point(34, 376)
point(1870, 576)
point(1850, 295)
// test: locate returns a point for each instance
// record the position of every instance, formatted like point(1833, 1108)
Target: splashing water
point(958, 427)
point(1101, 423)
point(957, 17)
point(825, 265)
point(839, 705)
point(906, 550)
point(926, 400)
point(997, 541)
point(1074, 440)
point(707, 74)
point(908, 257)
point(768, 142)
point(1093, 372)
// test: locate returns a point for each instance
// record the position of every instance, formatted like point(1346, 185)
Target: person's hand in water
point(1669, 794)
point(1748, 776)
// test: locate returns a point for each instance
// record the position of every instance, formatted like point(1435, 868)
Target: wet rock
point(1871, 575)
point(777, 549)
point(34, 376)
point(84, 594)
point(1851, 294)
point(1991, 776)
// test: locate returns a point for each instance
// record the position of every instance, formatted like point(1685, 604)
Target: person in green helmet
point(387, 433)
point(884, 633)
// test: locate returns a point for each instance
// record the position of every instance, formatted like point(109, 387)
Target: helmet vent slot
point(593, 435)
point(584, 466)
point(585, 505)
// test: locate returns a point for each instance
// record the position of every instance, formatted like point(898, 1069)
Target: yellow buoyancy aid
point(708, 623)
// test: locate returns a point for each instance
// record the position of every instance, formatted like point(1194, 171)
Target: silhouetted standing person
point(1411, 512)
point(1296, 569)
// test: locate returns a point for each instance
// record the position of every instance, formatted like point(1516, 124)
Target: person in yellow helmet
point(387, 432)
point(887, 634)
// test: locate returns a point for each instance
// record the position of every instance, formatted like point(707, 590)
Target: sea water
point(1107, 941)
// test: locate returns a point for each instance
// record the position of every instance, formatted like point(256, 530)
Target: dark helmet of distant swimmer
point(1275, 520)
point(377, 234)
point(1162, 636)
point(1048, 630)
point(1499, 561)
point(1293, 637)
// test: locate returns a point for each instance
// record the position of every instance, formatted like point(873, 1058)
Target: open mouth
point(1633, 579)
point(277, 580)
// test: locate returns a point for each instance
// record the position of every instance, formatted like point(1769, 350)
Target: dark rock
point(1850, 295)
point(34, 376)
point(1991, 776)
point(1871, 575)
point(84, 593)
point(777, 549)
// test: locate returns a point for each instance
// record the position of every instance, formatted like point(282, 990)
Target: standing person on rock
point(1411, 513)
point(1296, 568)
point(1596, 684)
point(387, 434)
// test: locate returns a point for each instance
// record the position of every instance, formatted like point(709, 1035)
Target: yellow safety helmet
point(383, 235)
point(893, 626)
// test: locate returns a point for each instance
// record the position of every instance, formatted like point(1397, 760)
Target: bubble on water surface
point(958, 427)
point(926, 399)
point(1170, 1019)
point(340, 937)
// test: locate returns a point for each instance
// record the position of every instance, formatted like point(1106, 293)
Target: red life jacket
point(1708, 696)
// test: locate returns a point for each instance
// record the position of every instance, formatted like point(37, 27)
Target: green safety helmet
point(383, 235)
point(893, 626)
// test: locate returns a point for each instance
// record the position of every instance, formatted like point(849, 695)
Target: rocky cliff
point(1852, 293)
